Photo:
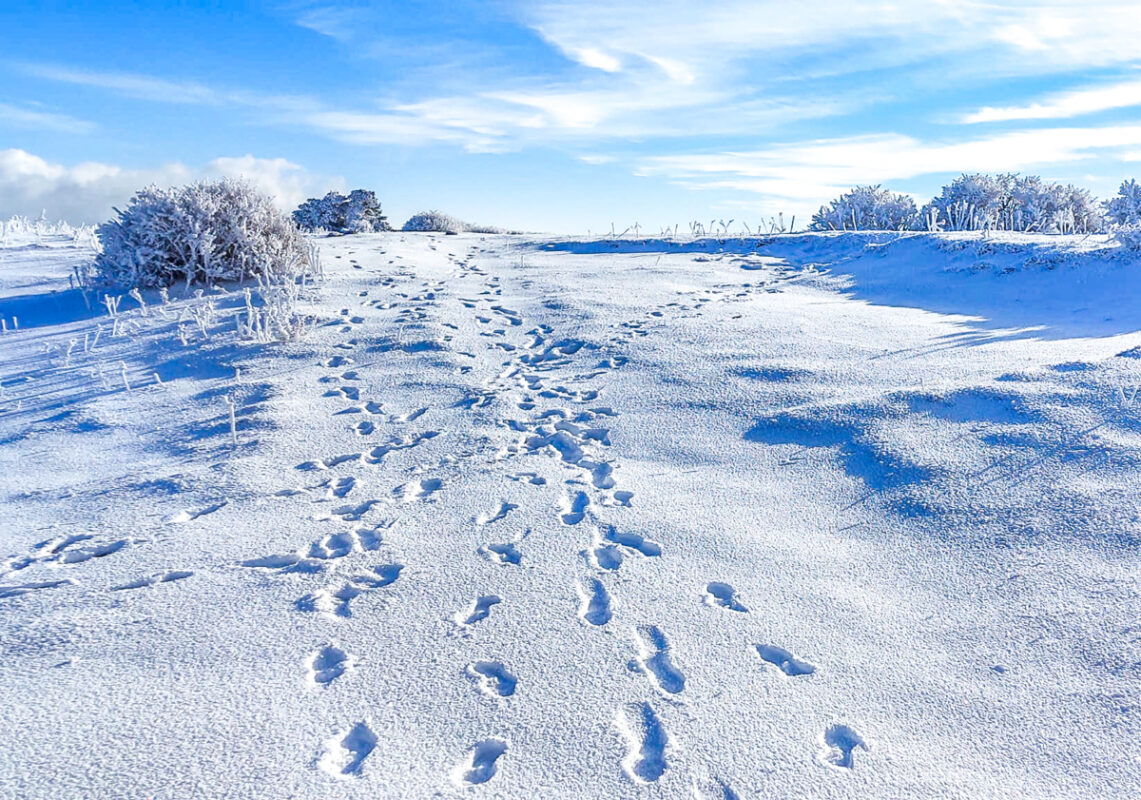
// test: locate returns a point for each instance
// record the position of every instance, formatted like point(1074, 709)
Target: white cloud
point(86, 192)
point(593, 57)
point(288, 183)
point(1065, 104)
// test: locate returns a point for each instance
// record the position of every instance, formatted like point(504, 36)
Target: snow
point(821, 515)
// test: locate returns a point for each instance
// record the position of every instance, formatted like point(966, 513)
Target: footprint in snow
point(594, 608)
point(785, 661)
point(480, 764)
point(502, 511)
point(604, 555)
point(646, 740)
point(337, 489)
point(325, 665)
point(713, 789)
point(492, 678)
point(344, 753)
point(723, 595)
point(573, 508)
point(502, 553)
point(478, 611)
point(654, 659)
point(190, 515)
point(633, 541)
point(839, 744)
point(419, 490)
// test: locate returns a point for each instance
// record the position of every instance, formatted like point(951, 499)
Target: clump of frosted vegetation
point(25, 230)
point(1125, 208)
point(867, 208)
point(202, 233)
point(979, 202)
point(1012, 202)
point(359, 212)
point(1124, 213)
point(435, 221)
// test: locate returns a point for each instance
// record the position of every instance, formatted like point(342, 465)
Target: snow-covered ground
point(820, 516)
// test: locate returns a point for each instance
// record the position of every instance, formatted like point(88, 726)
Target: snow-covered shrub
point(971, 202)
point(867, 208)
point(360, 212)
point(1037, 205)
point(1080, 212)
point(1011, 202)
point(1125, 208)
point(1128, 236)
point(205, 232)
point(435, 221)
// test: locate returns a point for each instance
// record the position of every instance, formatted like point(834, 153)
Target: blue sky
point(562, 116)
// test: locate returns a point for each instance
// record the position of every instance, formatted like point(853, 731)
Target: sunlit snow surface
point(822, 516)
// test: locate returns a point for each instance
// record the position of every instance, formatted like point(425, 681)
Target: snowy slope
point(821, 516)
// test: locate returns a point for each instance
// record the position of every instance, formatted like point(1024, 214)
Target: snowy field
point(822, 516)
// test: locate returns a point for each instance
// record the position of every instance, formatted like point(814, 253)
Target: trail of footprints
point(543, 370)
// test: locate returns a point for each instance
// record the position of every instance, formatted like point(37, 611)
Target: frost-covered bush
point(970, 202)
point(1125, 208)
point(1011, 202)
point(1128, 236)
point(205, 232)
point(1124, 214)
point(359, 212)
point(436, 221)
point(1037, 205)
point(867, 208)
point(1080, 212)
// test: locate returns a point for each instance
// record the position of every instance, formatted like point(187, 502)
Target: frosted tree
point(360, 212)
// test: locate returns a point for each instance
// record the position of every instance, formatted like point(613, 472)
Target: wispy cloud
point(333, 21)
point(143, 87)
point(1064, 105)
point(37, 119)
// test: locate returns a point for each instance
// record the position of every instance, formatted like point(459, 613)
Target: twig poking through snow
point(233, 420)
